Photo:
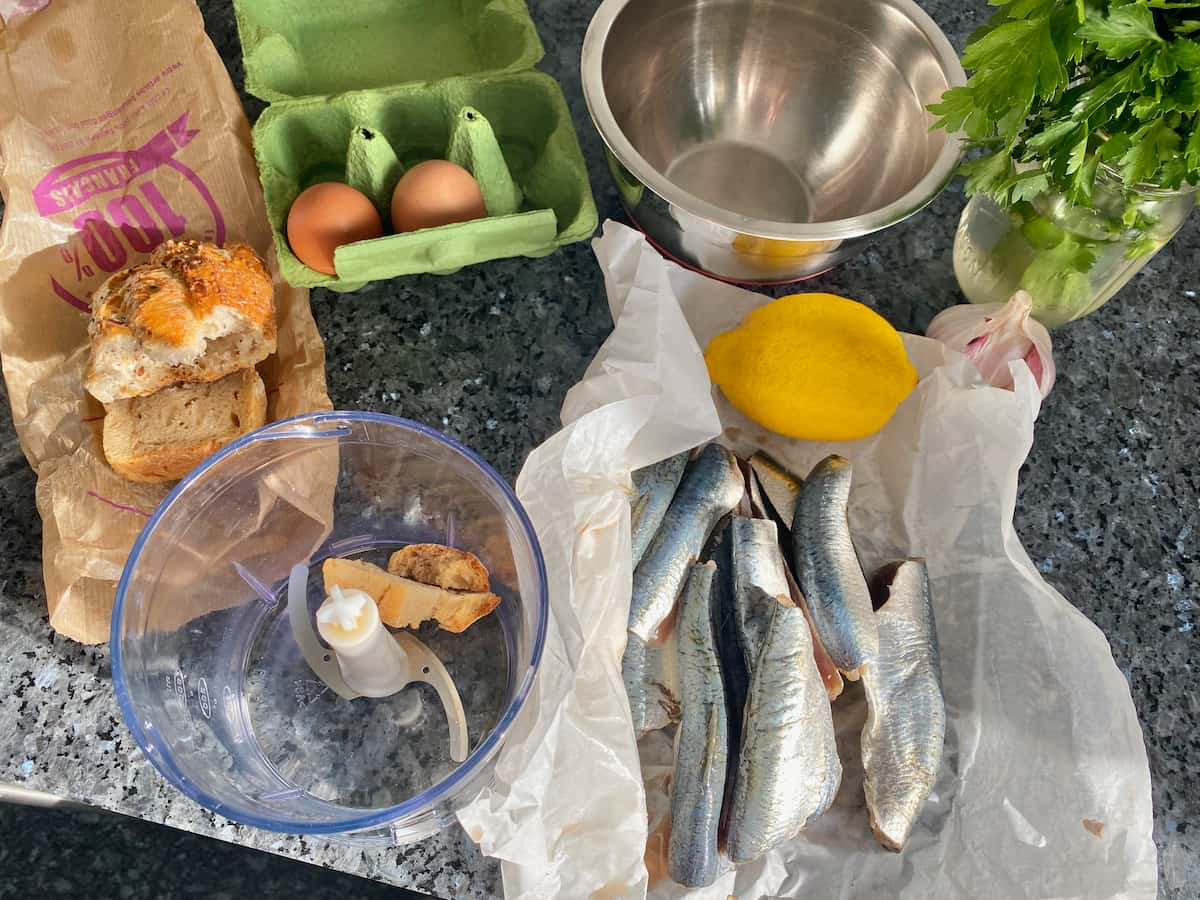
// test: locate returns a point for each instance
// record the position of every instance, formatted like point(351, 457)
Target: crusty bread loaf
point(194, 312)
point(453, 569)
point(164, 436)
point(404, 603)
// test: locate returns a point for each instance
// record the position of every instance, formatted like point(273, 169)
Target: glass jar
point(1071, 259)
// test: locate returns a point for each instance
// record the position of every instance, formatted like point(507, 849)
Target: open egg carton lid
point(405, 73)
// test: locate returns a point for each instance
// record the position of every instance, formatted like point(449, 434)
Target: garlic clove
point(1041, 364)
point(995, 334)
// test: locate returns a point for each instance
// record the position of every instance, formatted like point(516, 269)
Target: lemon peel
point(813, 366)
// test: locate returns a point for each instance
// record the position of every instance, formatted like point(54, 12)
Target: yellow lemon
point(813, 366)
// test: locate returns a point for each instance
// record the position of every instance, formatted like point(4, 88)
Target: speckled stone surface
point(67, 854)
point(1108, 502)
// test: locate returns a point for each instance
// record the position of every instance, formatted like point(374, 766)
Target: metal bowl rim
point(915, 199)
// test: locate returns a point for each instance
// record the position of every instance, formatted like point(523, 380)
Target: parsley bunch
point(1066, 86)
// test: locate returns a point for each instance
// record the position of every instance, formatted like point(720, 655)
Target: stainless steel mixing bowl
point(767, 140)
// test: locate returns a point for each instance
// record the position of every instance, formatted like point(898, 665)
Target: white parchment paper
point(1044, 790)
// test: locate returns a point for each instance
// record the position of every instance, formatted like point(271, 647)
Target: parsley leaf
point(1023, 9)
point(1126, 31)
point(959, 112)
point(1173, 172)
point(1143, 246)
point(1044, 142)
point(1064, 30)
point(1192, 153)
point(1114, 148)
point(1084, 181)
point(1164, 64)
point(1079, 150)
point(1029, 185)
point(1145, 107)
point(1124, 81)
point(989, 175)
point(1186, 53)
point(1014, 63)
point(1151, 143)
point(1057, 278)
point(1184, 95)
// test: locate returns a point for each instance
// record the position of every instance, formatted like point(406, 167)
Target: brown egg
point(326, 216)
point(435, 193)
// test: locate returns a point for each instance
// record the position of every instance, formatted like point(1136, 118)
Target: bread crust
point(447, 567)
point(164, 463)
point(193, 312)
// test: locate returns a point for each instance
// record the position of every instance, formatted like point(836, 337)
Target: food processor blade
point(392, 662)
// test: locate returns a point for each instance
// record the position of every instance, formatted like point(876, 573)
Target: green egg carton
point(362, 90)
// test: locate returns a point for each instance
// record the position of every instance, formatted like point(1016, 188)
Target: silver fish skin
point(711, 487)
point(829, 672)
point(751, 626)
point(906, 718)
point(651, 684)
point(788, 770)
point(758, 579)
point(779, 485)
point(702, 741)
point(828, 570)
point(724, 618)
point(654, 486)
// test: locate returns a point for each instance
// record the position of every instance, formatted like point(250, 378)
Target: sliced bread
point(447, 567)
point(404, 603)
point(164, 436)
point(193, 312)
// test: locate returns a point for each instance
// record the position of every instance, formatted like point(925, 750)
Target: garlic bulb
point(992, 335)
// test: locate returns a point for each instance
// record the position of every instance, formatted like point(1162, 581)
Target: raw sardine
point(654, 486)
point(906, 718)
point(711, 487)
point(788, 769)
point(729, 650)
point(779, 485)
point(828, 570)
point(829, 672)
point(701, 744)
point(651, 683)
point(748, 598)
point(759, 580)
point(830, 676)
point(724, 616)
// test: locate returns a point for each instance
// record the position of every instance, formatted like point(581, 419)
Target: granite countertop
point(1107, 507)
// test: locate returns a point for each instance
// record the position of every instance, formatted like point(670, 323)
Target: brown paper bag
point(119, 129)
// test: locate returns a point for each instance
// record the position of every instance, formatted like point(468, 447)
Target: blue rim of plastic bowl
point(427, 798)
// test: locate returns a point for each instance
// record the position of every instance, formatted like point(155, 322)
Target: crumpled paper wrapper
point(1044, 789)
point(119, 128)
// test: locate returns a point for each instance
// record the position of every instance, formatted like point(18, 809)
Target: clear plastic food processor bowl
point(209, 673)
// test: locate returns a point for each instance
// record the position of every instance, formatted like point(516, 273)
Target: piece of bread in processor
point(164, 436)
point(194, 312)
point(448, 567)
point(405, 602)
